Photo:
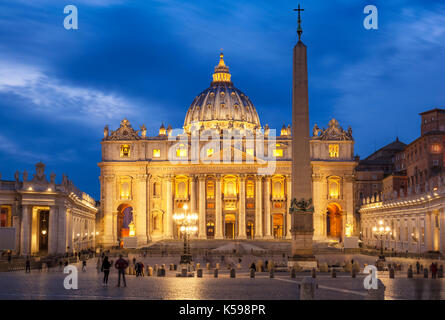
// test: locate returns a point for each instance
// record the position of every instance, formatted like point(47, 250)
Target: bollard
point(252, 273)
point(391, 273)
point(353, 273)
point(440, 272)
point(425, 273)
point(293, 273)
point(307, 288)
point(378, 293)
point(232, 273)
point(155, 269)
point(150, 271)
point(271, 275)
point(333, 273)
point(410, 272)
point(175, 267)
point(163, 272)
point(199, 273)
point(208, 265)
point(313, 273)
point(184, 272)
point(215, 273)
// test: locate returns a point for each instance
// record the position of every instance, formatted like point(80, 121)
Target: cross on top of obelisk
point(299, 30)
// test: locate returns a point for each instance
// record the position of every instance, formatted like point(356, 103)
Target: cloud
point(44, 94)
point(401, 75)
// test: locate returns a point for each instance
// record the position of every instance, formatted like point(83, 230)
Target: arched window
point(334, 188)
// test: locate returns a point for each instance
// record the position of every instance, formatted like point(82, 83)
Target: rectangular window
point(181, 153)
point(156, 153)
point(125, 151)
point(333, 150)
point(278, 153)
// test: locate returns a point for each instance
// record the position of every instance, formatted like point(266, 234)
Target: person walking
point(121, 264)
point(27, 265)
point(433, 268)
point(106, 270)
point(84, 265)
point(417, 267)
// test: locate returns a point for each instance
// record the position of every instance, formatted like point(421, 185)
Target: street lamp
point(187, 223)
point(381, 231)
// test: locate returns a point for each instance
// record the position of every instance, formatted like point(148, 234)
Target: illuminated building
point(156, 175)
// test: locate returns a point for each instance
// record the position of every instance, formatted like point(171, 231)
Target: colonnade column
point(202, 207)
point(288, 198)
point(169, 213)
point(258, 207)
point(108, 237)
point(442, 230)
point(242, 208)
point(52, 230)
point(25, 240)
point(267, 217)
point(428, 235)
point(69, 231)
point(218, 209)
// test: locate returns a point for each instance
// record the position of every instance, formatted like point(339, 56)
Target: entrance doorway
point(249, 230)
point(334, 221)
point(229, 222)
point(124, 221)
point(277, 220)
point(43, 216)
point(210, 230)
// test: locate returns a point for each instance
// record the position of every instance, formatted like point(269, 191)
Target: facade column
point(288, 198)
point(25, 240)
point(218, 209)
point(108, 237)
point(141, 211)
point(267, 217)
point(258, 208)
point(202, 207)
point(52, 230)
point(242, 208)
point(169, 213)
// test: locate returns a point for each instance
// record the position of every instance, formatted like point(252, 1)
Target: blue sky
point(147, 60)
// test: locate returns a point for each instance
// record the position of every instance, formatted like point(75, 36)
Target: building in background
point(47, 218)
point(411, 198)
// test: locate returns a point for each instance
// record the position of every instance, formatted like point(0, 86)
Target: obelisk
point(302, 229)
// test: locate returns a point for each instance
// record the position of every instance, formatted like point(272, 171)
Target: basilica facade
point(222, 165)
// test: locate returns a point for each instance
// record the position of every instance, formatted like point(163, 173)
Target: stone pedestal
point(130, 242)
point(350, 242)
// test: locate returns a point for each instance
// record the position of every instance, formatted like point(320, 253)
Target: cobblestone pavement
point(49, 285)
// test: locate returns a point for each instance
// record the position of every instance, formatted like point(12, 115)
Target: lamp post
point(187, 223)
point(381, 231)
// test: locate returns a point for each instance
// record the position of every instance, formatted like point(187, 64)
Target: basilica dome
point(222, 105)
